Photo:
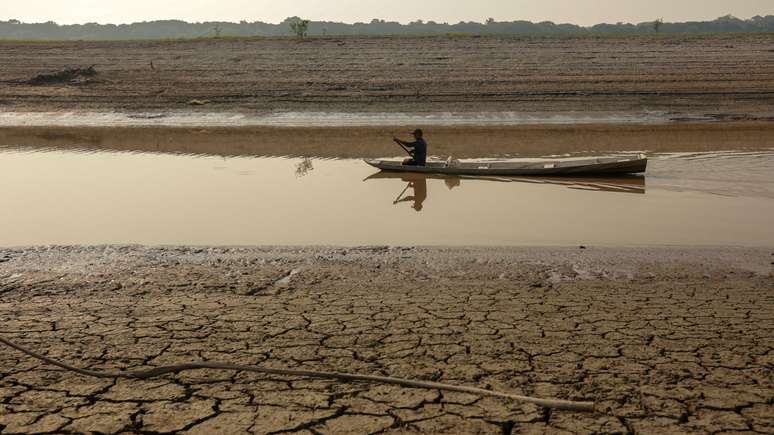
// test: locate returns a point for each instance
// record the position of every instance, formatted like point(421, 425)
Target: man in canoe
point(419, 152)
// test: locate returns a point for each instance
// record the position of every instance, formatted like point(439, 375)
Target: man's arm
point(404, 143)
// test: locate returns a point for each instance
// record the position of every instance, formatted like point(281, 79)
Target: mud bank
point(685, 75)
point(667, 340)
point(362, 142)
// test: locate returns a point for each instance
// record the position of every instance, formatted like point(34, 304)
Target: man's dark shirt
point(420, 150)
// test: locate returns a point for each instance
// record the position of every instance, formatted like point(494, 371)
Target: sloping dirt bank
point(361, 142)
point(664, 340)
point(727, 75)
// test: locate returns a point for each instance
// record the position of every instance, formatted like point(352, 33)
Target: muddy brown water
point(54, 196)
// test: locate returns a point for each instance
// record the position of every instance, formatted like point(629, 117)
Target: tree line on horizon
point(174, 29)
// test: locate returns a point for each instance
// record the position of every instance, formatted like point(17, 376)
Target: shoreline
point(749, 258)
point(662, 340)
point(374, 141)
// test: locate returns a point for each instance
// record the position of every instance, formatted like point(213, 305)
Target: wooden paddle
point(404, 148)
point(401, 194)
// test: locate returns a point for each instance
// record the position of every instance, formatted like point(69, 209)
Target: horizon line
point(423, 22)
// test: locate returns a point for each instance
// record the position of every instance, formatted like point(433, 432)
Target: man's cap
point(417, 131)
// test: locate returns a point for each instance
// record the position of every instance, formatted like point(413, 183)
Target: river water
point(88, 197)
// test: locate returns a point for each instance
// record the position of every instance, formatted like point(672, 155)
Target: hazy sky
point(575, 11)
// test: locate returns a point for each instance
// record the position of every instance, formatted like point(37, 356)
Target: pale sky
point(584, 12)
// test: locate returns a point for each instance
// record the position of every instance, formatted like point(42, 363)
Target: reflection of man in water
point(419, 152)
point(419, 186)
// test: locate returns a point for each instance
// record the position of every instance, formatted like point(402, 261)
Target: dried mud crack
point(664, 340)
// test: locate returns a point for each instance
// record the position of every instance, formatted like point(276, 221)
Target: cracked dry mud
point(664, 340)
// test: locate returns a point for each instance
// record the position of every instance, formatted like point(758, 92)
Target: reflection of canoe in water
point(620, 183)
point(591, 166)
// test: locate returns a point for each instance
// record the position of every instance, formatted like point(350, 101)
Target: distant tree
point(490, 21)
point(14, 22)
point(299, 27)
point(657, 24)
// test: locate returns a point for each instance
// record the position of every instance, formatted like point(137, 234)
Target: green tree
point(657, 24)
point(299, 27)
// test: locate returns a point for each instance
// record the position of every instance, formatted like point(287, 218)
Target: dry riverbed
point(664, 340)
point(728, 77)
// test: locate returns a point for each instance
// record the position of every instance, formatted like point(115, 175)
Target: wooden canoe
point(567, 167)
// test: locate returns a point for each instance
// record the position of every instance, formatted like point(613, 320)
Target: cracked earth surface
point(663, 340)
